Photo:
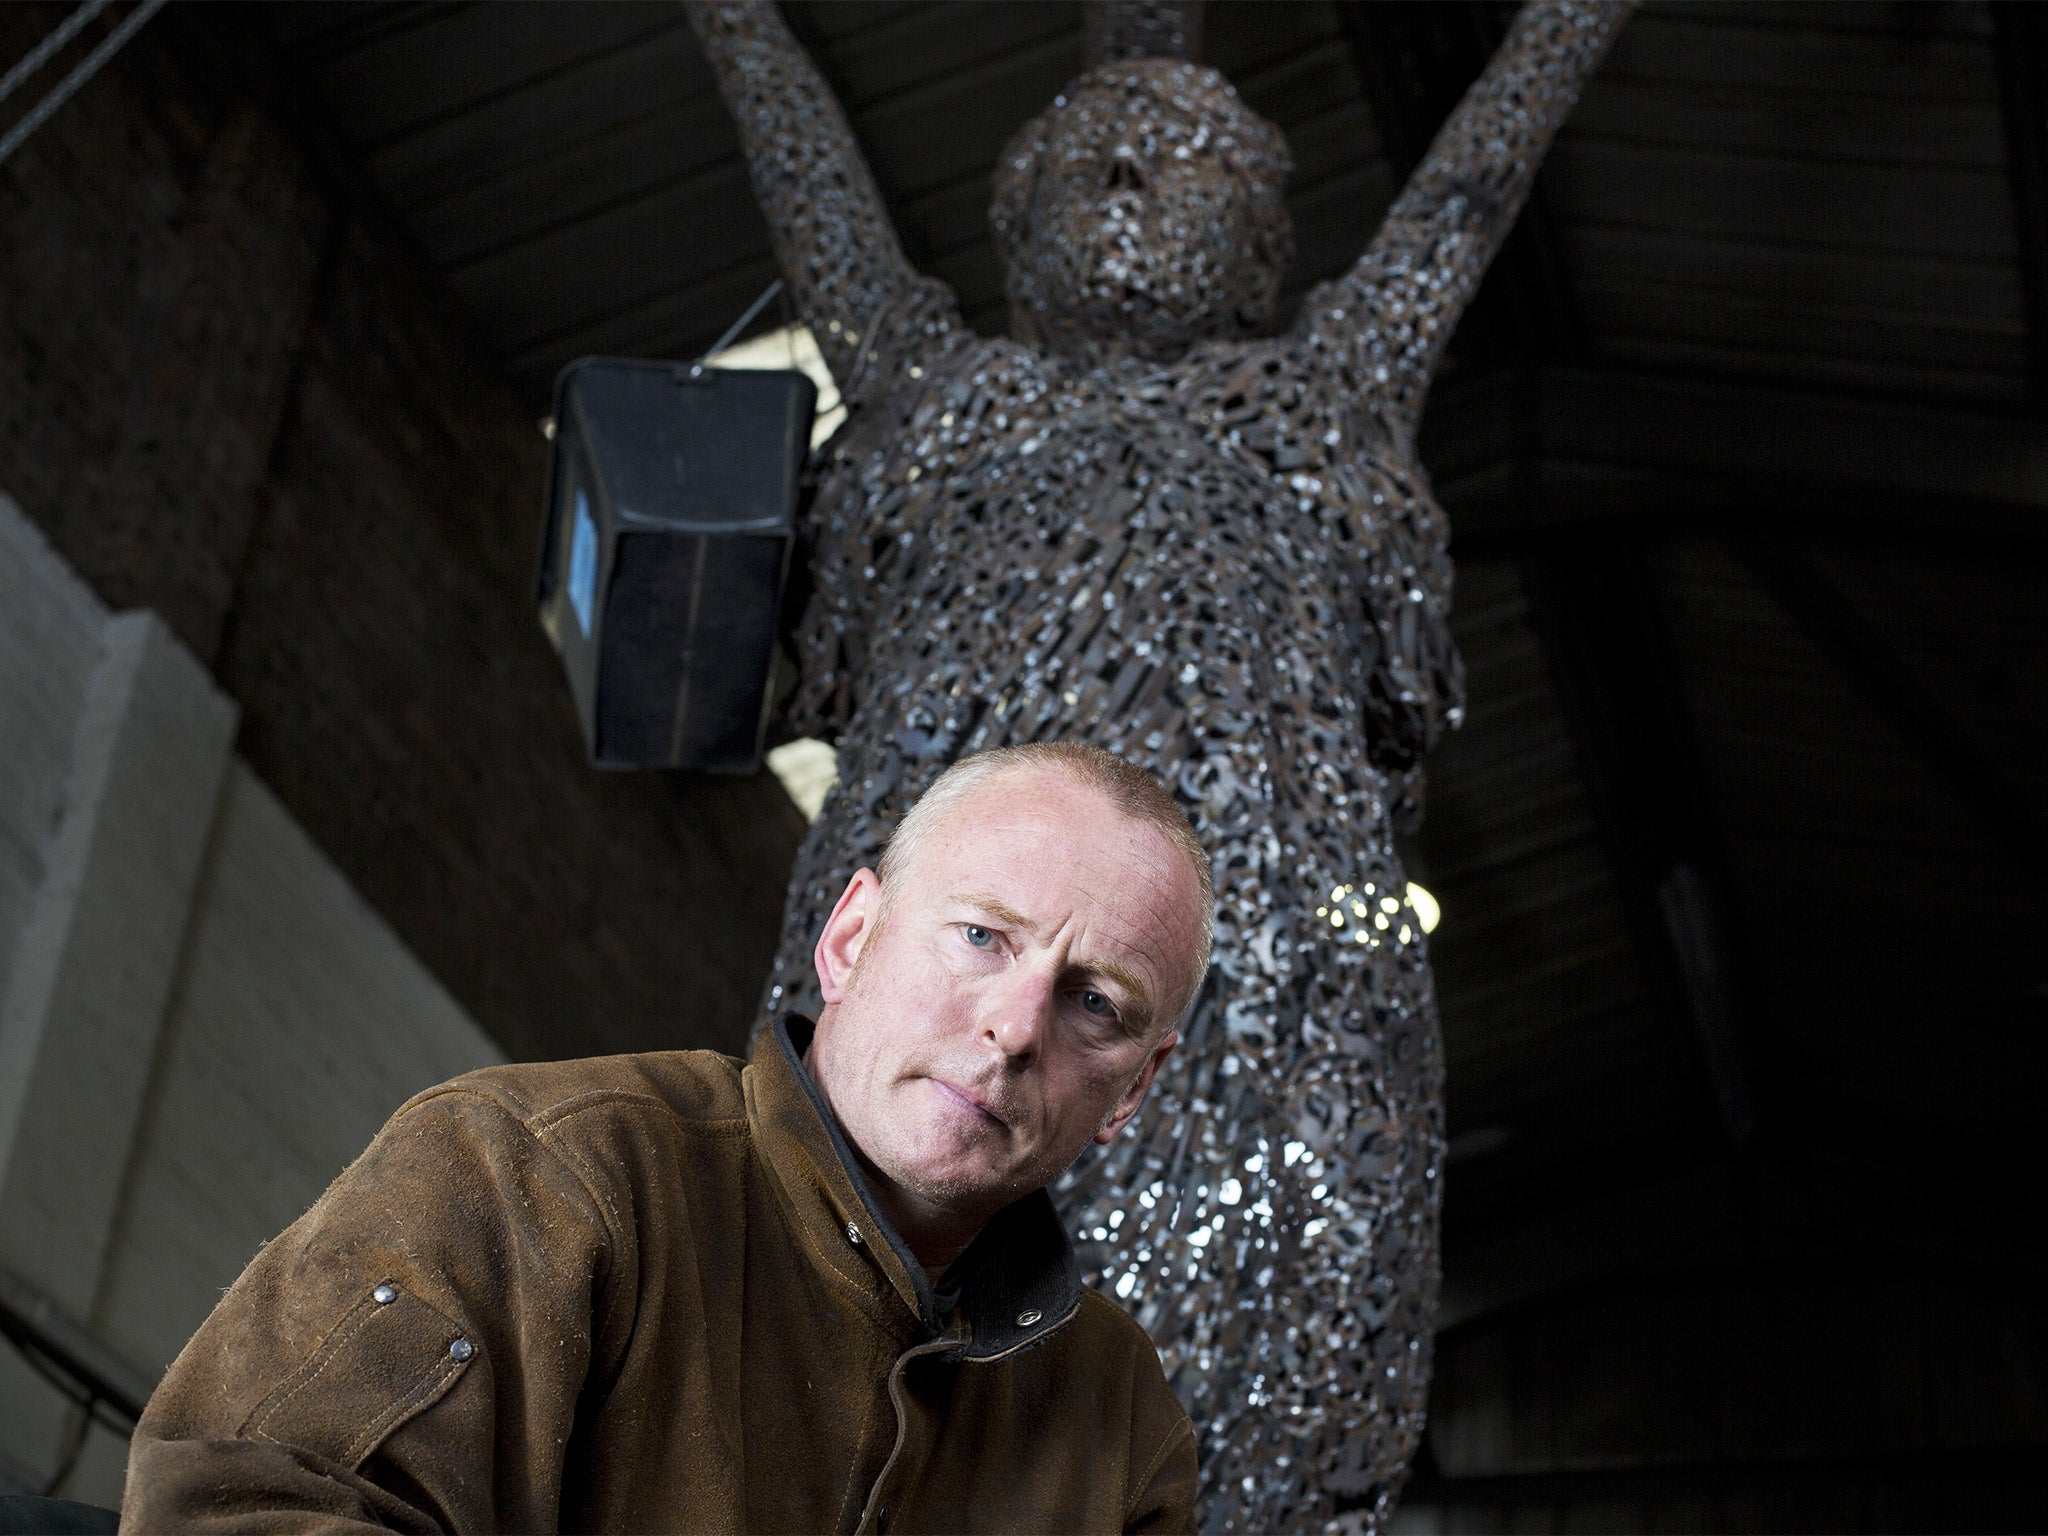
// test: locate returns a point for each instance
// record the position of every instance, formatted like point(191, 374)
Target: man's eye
point(979, 936)
point(1098, 1005)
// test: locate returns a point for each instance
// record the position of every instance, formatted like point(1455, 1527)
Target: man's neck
point(935, 1237)
point(933, 1242)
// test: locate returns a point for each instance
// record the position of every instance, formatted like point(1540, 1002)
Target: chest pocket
point(391, 1356)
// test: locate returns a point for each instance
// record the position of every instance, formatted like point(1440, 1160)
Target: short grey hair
point(1126, 786)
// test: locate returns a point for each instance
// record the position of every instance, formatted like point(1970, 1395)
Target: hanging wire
point(88, 1399)
point(738, 325)
point(87, 67)
point(75, 1367)
point(42, 53)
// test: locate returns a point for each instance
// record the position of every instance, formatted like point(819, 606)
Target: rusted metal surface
point(1145, 525)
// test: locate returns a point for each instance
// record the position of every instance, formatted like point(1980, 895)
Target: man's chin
point(950, 1174)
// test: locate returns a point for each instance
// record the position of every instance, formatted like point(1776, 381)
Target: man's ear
point(1134, 1095)
point(850, 926)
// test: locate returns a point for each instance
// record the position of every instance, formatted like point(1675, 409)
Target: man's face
point(1011, 1006)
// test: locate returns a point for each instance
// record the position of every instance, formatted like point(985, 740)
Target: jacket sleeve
point(1165, 1496)
point(407, 1355)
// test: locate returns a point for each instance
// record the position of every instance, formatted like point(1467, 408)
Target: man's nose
point(1020, 1013)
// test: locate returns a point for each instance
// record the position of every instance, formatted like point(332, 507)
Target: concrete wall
point(231, 395)
point(201, 1019)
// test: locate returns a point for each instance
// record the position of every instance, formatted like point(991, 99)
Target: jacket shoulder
point(695, 1088)
point(1102, 1321)
point(1105, 1332)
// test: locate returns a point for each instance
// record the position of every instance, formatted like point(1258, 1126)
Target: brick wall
point(229, 393)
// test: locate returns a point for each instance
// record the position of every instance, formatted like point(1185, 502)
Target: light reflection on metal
point(1428, 910)
point(1142, 526)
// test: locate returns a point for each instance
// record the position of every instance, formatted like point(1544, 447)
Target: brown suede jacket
point(652, 1293)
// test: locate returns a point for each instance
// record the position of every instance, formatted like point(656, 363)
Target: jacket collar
point(1018, 1280)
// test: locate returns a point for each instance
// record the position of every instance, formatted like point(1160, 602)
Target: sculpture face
point(1142, 211)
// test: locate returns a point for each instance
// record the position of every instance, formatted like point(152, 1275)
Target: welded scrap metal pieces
point(1147, 526)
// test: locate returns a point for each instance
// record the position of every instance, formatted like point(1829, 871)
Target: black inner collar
point(1020, 1266)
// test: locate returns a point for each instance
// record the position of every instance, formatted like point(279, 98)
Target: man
point(824, 1292)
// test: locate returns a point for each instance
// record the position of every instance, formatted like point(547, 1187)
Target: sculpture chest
point(1095, 542)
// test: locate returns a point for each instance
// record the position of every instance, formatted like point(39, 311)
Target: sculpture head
point(1142, 210)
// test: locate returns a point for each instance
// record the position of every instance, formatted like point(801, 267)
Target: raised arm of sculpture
point(1140, 29)
point(837, 249)
point(1391, 315)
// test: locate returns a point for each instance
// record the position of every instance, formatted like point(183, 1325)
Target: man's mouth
point(966, 1098)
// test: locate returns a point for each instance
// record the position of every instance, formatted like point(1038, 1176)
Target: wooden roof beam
point(2003, 808)
point(1657, 452)
point(1595, 603)
point(1795, 1211)
point(2020, 46)
point(1599, 618)
point(1620, 457)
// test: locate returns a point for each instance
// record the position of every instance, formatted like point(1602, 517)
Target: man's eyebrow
point(996, 908)
point(1121, 976)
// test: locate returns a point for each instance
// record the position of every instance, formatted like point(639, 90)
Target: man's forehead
point(1032, 837)
point(1024, 798)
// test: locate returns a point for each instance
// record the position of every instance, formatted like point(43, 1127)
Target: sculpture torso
point(985, 465)
point(1180, 562)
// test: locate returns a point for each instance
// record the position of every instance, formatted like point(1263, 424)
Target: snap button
point(462, 1349)
point(384, 1295)
point(1026, 1319)
point(853, 1234)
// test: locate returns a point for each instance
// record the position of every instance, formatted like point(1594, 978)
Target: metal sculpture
point(1140, 525)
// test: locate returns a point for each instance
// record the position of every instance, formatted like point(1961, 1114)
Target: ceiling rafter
point(1789, 1212)
point(2012, 823)
point(1655, 451)
point(1635, 1487)
point(2020, 46)
point(1598, 614)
